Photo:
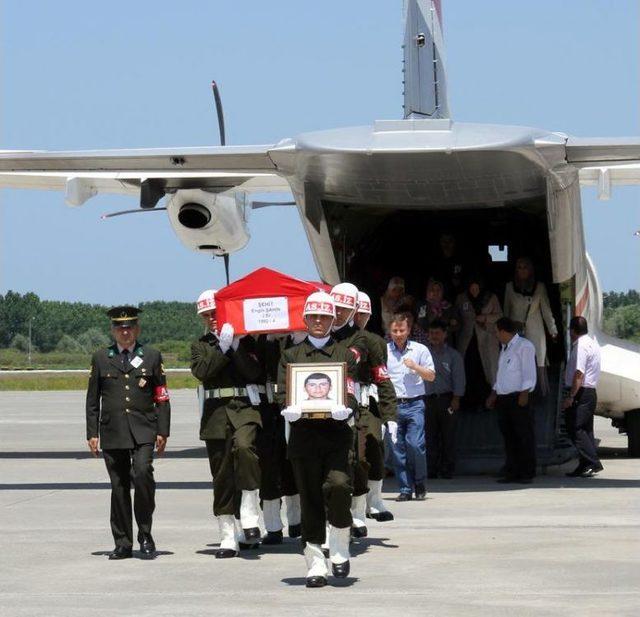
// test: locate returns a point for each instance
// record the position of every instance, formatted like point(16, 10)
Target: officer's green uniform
point(321, 450)
point(372, 372)
point(229, 422)
point(277, 475)
point(128, 407)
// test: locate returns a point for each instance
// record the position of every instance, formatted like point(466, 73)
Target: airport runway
point(559, 547)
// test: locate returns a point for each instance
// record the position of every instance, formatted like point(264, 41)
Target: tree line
point(81, 328)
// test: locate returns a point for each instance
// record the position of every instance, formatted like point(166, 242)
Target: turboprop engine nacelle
point(209, 222)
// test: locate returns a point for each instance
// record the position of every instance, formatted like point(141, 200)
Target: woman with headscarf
point(478, 310)
point(527, 303)
point(392, 299)
point(435, 307)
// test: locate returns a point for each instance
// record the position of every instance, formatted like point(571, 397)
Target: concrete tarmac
point(561, 546)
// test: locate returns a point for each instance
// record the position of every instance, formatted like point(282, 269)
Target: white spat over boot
point(358, 514)
point(250, 515)
point(272, 521)
point(294, 515)
point(375, 506)
point(228, 543)
point(317, 571)
point(339, 551)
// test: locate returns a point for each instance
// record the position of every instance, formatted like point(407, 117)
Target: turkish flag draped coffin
point(264, 301)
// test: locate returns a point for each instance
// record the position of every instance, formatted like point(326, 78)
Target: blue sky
point(83, 75)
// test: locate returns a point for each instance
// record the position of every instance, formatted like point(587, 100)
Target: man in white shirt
point(409, 364)
point(581, 379)
point(515, 380)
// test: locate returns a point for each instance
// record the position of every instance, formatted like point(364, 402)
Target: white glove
point(225, 338)
point(235, 343)
point(393, 431)
point(298, 336)
point(340, 412)
point(292, 413)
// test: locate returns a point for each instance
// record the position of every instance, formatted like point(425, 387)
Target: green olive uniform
point(378, 403)
point(321, 450)
point(229, 422)
point(127, 407)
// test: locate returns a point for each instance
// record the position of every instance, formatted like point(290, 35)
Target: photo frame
point(317, 387)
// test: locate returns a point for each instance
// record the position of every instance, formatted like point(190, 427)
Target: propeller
point(218, 102)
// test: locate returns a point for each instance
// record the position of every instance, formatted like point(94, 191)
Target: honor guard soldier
point(277, 479)
point(128, 412)
point(228, 369)
point(378, 407)
point(320, 449)
point(345, 297)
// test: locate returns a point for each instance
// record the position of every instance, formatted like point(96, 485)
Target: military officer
point(320, 450)
point(128, 412)
point(229, 370)
point(277, 479)
point(378, 407)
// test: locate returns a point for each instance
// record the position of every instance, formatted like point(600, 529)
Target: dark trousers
point(370, 449)
point(579, 422)
point(125, 466)
point(325, 488)
point(234, 467)
point(276, 473)
point(440, 432)
point(517, 428)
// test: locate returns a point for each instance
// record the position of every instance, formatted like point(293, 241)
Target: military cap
point(123, 316)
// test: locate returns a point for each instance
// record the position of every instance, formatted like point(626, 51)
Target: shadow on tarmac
point(300, 581)
point(135, 554)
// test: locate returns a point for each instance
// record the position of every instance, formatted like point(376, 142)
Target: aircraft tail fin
point(425, 87)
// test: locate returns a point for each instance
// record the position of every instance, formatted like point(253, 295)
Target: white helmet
point(346, 295)
point(206, 301)
point(319, 303)
point(364, 303)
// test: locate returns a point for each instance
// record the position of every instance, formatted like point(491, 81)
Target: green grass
point(14, 359)
point(76, 381)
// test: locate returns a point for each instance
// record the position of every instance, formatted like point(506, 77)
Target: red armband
point(160, 394)
point(356, 353)
point(351, 386)
point(379, 373)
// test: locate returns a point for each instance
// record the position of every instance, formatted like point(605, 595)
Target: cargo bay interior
point(373, 244)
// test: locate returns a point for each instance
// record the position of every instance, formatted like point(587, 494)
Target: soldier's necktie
point(125, 359)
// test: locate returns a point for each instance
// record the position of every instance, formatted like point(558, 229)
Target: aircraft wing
point(604, 162)
point(86, 173)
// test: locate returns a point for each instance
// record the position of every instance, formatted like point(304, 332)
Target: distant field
point(75, 381)
point(62, 360)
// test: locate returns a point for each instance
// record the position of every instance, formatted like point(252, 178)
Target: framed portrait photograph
point(316, 388)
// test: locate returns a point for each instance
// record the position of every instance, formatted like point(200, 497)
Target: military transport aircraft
point(354, 187)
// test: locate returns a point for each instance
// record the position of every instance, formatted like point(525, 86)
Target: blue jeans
point(410, 450)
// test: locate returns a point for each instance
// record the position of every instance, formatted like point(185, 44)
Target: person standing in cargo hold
point(527, 303)
point(581, 379)
point(320, 450)
point(478, 310)
point(229, 369)
point(128, 412)
point(378, 408)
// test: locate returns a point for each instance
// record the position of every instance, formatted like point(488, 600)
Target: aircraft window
point(499, 252)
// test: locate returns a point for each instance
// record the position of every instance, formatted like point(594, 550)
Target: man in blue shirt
point(409, 365)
